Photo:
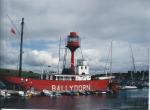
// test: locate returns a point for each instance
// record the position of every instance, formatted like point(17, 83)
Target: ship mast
point(111, 58)
point(59, 56)
point(21, 42)
point(133, 62)
point(148, 59)
point(147, 65)
point(109, 61)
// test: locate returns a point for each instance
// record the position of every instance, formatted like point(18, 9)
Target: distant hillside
point(15, 73)
point(138, 75)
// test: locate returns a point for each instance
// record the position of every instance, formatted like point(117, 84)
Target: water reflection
point(125, 100)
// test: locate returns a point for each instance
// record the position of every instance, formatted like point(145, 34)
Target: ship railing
point(106, 77)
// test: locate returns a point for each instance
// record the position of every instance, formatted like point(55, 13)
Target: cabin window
point(85, 67)
point(73, 39)
point(54, 77)
point(83, 73)
point(81, 67)
point(73, 78)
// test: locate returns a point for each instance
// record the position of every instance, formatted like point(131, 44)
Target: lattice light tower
point(73, 42)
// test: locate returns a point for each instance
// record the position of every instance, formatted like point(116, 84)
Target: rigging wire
point(133, 61)
point(109, 64)
point(11, 21)
point(81, 52)
point(107, 61)
point(132, 57)
point(18, 33)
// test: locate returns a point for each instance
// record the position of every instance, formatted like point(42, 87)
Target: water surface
point(125, 100)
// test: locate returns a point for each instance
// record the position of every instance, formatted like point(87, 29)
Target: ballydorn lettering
point(70, 87)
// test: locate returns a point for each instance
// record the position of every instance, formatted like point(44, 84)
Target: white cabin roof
point(71, 75)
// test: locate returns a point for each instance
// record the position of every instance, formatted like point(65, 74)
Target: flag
point(13, 31)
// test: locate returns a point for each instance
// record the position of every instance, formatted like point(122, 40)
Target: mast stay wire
point(81, 52)
point(18, 33)
point(107, 60)
point(11, 21)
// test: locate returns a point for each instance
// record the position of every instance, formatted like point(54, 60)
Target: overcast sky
point(97, 22)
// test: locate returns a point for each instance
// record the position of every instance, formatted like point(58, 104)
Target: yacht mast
point(133, 62)
point(147, 65)
point(148, 60)
point(20, 61)
point(111, 58)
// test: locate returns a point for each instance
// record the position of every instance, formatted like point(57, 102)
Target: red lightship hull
point(54, 85)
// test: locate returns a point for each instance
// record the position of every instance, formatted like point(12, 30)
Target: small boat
point(130, 84)
point(103, 92)
point(128, 87)
point(8, 93)
point(22, 93)
point(51, 93)
point(4, 93)
point(29, 93)
point(33, 93)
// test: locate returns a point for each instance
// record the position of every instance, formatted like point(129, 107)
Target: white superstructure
point(82, 67)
